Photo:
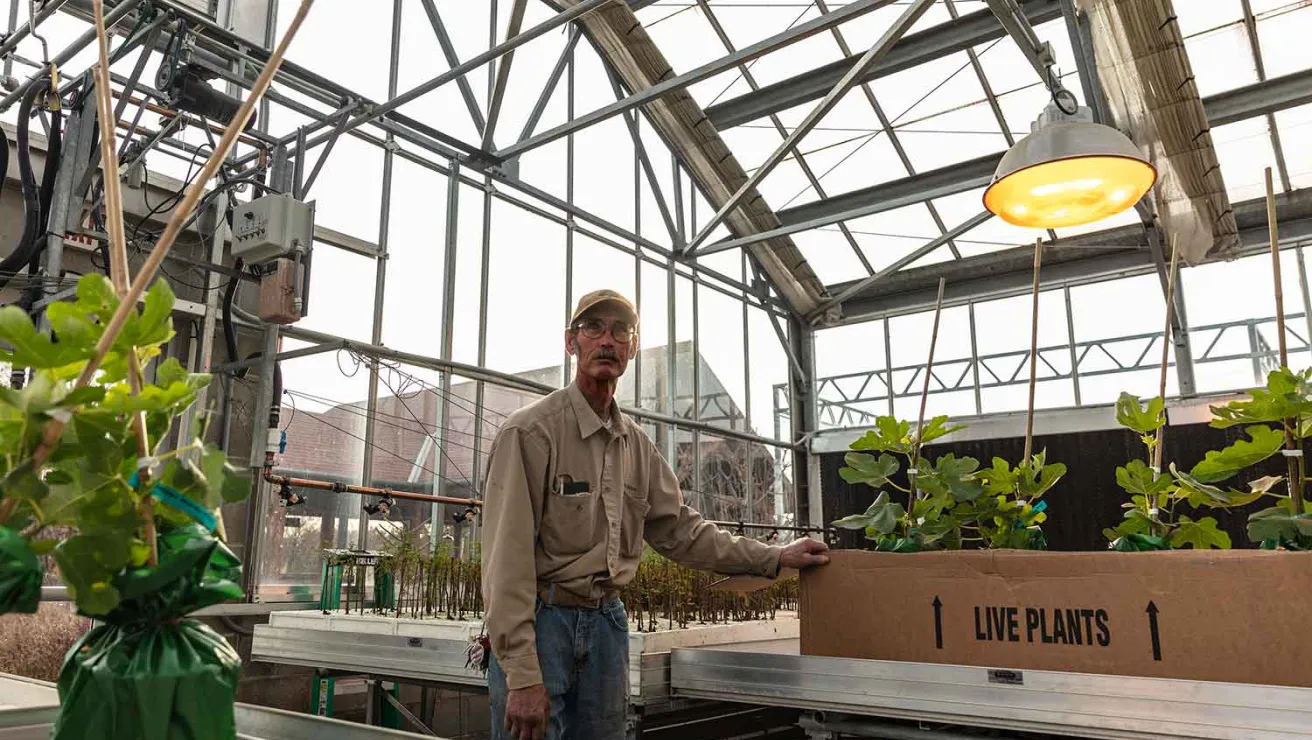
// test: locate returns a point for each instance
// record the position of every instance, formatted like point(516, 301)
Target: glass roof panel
point(888, 236)
point(1283, 34)
point(830, 256)
point(686, 39)
point(991, 236)
point(1244, 151)
point(1295, 126)
point(1222, 59)
point(1194, 18)
point(952, 137)
point(928, 89)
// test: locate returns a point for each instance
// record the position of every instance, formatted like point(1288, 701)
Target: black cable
point(32, 228)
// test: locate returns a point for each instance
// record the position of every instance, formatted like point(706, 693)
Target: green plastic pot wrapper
point(148, 672)
point(20, 574)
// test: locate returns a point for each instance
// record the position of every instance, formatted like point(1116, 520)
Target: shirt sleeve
point(679, 533)
point(512, 505)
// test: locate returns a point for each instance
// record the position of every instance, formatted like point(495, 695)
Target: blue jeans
point(584, 657)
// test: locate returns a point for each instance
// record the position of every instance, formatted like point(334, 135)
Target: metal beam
point(881, 48)
point(465, 68)
point(549, 89)
point(942, 40)
point(901, 262)
point(449, 51)
point(1259, 98)
point(746, 54)
point(1236, 105)
point(503, 73)
point(1121, 252)
point(975, 173)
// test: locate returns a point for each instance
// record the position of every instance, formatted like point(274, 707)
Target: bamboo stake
point(924, 401)
point(1292, 462)
point(1034, 354)
point(118, 259)
point(1166, 351)
point(180, 215)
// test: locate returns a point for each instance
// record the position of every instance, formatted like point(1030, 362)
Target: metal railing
point(852, 399)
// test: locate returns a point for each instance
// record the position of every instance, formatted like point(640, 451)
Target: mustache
point(606, 353)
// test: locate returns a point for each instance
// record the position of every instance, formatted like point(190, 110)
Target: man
point(573, 489)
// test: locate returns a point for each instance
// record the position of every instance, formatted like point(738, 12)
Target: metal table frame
point(838, 693)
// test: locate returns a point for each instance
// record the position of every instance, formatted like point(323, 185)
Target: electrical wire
point(356, 412)
point(394, 421)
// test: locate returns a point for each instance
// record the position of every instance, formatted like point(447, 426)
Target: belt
point(553, 596)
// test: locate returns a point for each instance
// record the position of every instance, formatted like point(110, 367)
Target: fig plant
point(134, 538)
point(937, 488)
point(1286, 403)
point(956, 502)
point(1151, 520)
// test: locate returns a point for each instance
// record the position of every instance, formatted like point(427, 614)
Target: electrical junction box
point(271, 227)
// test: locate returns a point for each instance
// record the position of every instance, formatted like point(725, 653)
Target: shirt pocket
point(568, 522)
point(633, 524)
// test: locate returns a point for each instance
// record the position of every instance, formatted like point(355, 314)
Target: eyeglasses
point(594, 328)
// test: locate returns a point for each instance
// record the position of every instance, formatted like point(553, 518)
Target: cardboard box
point(1241, 616)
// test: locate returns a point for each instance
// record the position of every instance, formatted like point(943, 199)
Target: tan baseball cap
point(598, 297)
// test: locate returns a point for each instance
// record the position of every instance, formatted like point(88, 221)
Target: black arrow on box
point(1152, 625)
point(938, 622)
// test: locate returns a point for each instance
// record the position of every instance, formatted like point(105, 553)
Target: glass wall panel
point(526, 294)
point(323, 415)
point(655, 340)
point(341, 298)
point(723, 395)
point(412, 301)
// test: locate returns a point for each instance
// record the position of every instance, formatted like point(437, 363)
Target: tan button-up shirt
point(568, 502)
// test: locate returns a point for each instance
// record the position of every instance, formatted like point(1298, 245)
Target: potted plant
point(141, 546)
point(1151, 520)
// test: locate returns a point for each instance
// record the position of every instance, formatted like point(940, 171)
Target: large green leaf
point(1144, 419)
point(936, 428)
point(87, 564)
point(1203, 494)
point(152, 325)
point(889, 435)
point(1287, 395)
point(1278, 524)
point(1036, 480)
point(952, 476)
point(999, 479)
point(867, 469)
point(1201, 535)
point(96, 296)
point(24, 483)
point(1219, 465)
point(32, 348)
point(73, 326)
point(1137, 478)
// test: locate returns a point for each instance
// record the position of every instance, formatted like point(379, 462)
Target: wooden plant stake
point(180, 216)
point(924, 401)
point(1294, 464)
point(118, 257)
point(1034, 354)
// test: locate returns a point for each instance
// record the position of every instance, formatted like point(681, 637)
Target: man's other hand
point(527, 712)
point(803, 553)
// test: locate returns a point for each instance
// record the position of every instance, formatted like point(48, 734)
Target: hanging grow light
point(1069, 171)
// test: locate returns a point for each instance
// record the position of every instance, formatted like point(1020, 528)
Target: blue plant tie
point(282, 443)
point(180, 502)
point(1038, 508)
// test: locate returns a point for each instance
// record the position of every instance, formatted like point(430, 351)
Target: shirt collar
point(589, 422)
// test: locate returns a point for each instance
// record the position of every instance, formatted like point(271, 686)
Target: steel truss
point(854, 400)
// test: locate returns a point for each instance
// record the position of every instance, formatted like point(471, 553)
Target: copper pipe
point(323, 485)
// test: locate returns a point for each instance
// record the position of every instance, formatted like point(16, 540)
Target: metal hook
point(31, 22)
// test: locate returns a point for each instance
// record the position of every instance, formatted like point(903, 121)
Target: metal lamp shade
point(1068, 173)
